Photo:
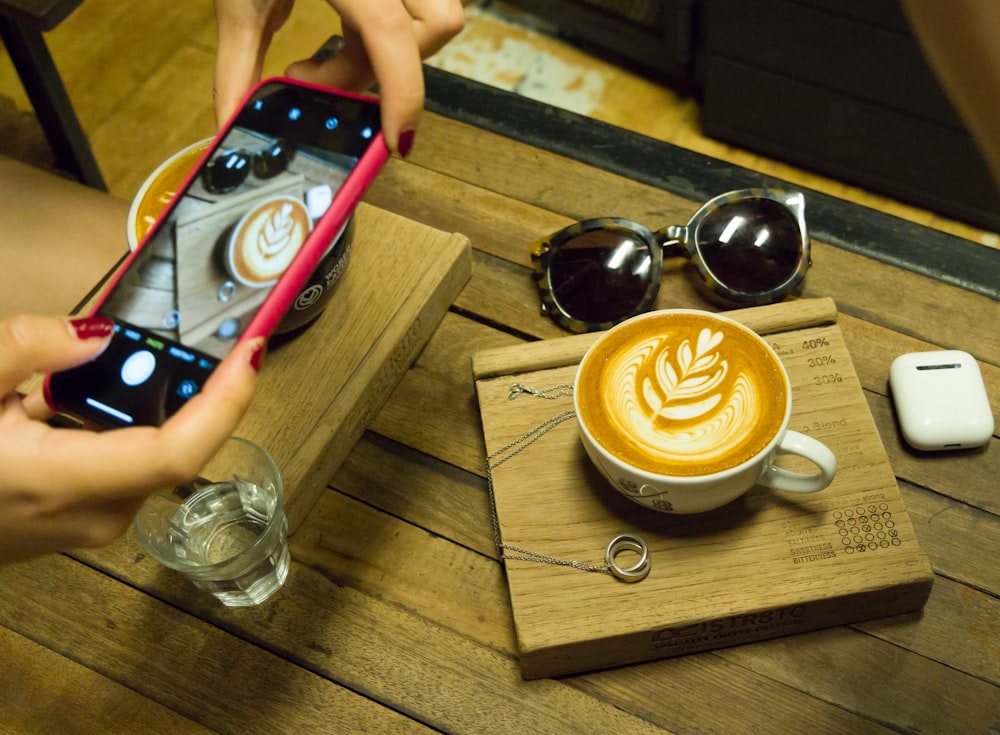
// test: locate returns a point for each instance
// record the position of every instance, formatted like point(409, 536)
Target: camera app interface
point(199, 279)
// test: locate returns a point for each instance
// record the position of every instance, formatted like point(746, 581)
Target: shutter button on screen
point(138, 367)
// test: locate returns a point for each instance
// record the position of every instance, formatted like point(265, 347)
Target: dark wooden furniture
point(837, 87)
point(22, 27)
point(395, 616)
point(842, 89)
point(656, 36)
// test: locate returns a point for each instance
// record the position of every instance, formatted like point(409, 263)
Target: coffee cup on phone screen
point(684, 411)
point(282, 228)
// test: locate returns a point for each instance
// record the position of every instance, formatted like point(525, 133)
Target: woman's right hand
point(384, 40)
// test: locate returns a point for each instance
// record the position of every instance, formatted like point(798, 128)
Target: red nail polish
point(257, 355)
point(92, 327)
point(405, 142)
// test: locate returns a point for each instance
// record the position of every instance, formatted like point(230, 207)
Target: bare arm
point(960, 39)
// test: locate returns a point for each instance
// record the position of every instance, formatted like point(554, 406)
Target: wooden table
point(395, 616)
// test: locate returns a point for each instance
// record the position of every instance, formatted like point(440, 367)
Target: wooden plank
point(816, 663)
point(209, 676)
point(459, 511)
point(964, 542)
point(695, 680)
point(957, 627)
point(448, 421)
point(691, 605)
point(363, 574)
point(361, 345)
point(185, 84)
point(569, 350)
point(434, 408)
point(96, 48)
point(375, 647)
point(34, 677)
point(391, 558)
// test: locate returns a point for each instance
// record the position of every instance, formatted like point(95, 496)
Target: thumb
point(42, 344)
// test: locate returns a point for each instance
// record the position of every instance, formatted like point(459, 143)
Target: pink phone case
point(283, 293)
point(291, 282)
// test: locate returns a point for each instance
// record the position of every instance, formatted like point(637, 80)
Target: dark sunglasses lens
point(751, 246)
point(602, 275)
point(271, 162)
point(226, 172)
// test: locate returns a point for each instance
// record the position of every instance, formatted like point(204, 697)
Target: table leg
point(52, 106)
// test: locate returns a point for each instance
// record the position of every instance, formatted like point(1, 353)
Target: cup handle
point(798, 482)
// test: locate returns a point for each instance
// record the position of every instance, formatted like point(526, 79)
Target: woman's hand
point(66, 488)
point(384, 40)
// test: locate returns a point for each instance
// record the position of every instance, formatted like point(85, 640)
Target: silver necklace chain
point(630, 542)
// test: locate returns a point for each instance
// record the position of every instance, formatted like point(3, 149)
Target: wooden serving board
point(317, 392)
point(766, 565)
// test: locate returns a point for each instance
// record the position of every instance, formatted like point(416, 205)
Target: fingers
point(435, 22)
point(386, 40)
point(380, 44)
point(128, 463)
point(237, 69)
point(37, 344)
point(245, 30)
point(340, 63)
point(197, 431)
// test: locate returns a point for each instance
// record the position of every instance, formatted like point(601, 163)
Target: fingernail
point(92, 327)
point(405, 142)
point(257, 356)
point(333, 46)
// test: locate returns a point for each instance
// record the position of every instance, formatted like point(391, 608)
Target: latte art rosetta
point(681, 401)
point(267, 239)
point(277, 232)
point(684, 396)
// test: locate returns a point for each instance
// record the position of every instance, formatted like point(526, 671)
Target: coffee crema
point(266, 240)
point(160, 189)
point(681, 394)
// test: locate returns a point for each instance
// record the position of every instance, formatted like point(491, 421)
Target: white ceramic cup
point(668, 474)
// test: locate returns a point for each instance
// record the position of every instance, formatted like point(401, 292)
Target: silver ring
point(628, 542)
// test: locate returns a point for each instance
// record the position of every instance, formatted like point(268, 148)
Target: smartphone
point(229, 255)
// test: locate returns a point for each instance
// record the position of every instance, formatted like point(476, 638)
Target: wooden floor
point(139, 73)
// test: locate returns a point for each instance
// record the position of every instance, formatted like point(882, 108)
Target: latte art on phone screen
point(266, 240)
point(683, 395)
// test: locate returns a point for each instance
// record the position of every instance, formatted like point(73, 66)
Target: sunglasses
point(749, 247)
point(232, 166)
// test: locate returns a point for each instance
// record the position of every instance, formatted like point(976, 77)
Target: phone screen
point(204, 271)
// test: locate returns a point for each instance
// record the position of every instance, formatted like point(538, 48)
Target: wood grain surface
point(396, 615)
point(766, 565)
